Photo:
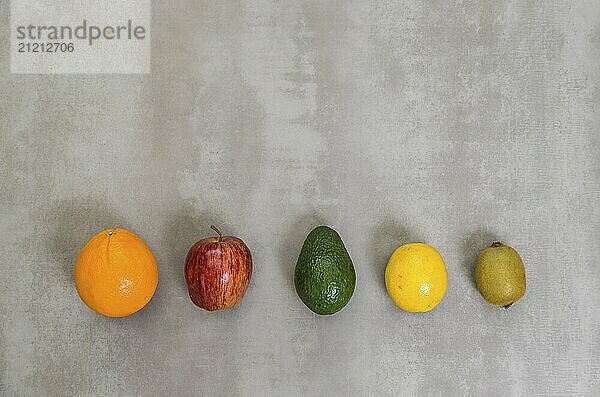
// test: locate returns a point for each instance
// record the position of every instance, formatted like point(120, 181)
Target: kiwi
point(500, 275)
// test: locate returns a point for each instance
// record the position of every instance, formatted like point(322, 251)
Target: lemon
point(416, 277)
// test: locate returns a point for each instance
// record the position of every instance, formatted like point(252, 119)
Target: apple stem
point(216, 229)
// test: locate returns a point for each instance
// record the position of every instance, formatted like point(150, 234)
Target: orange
point(116, 273)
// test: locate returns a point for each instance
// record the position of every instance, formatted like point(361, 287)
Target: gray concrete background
point(456, 123)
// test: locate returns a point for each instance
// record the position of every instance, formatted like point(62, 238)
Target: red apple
point(217, 271)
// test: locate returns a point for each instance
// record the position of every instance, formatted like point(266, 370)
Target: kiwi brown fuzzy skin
point(500, 275)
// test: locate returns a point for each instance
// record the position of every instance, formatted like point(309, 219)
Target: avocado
point(500, 275)
point(324, 275)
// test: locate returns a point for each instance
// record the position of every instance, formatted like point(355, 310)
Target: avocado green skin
point(500, 275)
point(324, 275)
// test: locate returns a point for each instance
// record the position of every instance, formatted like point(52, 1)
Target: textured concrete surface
point(456, 123)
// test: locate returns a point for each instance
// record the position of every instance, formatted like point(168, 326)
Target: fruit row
point(116, 273)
